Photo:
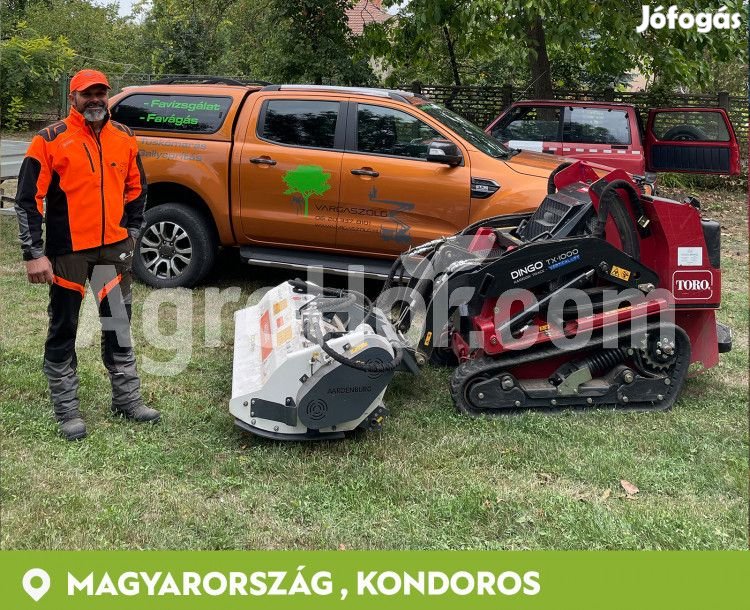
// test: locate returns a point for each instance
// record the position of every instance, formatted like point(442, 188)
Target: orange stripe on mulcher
point(109, 286)
point(63, 283)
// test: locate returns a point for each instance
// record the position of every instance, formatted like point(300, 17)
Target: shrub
point(686, 182)
point(30, 68)
point(12, 115)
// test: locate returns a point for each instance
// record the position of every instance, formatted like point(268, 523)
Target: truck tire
point(177, 247)
point(685, 133)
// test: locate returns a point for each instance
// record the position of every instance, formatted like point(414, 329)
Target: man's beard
point(94, 114)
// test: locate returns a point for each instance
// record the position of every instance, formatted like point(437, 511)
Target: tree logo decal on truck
point(305, 181)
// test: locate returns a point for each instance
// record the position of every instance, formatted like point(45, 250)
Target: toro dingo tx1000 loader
point(603, 297)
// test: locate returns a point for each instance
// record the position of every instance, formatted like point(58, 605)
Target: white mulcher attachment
point(299, 374)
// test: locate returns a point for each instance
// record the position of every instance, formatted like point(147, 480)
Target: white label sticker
point(689, 257)
point(526, 145)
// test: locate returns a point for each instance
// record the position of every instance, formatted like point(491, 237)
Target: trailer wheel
point(177, 247)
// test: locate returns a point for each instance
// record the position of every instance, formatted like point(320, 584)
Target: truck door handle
point(263, 161)
point(365, 172)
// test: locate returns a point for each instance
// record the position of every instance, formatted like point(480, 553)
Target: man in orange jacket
point(88, 171)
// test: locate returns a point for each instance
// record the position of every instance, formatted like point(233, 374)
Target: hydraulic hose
point(397, 266)
point(334, 299)
point(551, 188)
point(611, 204)
point(340, 299)
point(368, 367)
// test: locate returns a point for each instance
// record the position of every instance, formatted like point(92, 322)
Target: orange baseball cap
point(86, 78)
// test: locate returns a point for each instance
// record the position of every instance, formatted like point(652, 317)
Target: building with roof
point(364, 12)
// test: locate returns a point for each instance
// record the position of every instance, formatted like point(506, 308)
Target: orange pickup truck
point(296, 175)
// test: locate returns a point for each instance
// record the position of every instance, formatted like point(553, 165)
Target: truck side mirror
point(444, 151)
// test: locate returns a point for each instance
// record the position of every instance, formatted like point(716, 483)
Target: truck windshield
point(467, 130)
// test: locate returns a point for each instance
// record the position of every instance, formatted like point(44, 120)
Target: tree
point(186, 37)
point(433, 40)
point(97, 35)
point(542, 41)
point(310, 41)
point(30, 67)
point(271, 40)
point(726, 76)
point(11, 12)
point(307, 180)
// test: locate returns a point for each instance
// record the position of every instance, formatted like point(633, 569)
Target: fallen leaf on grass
point(606, 494)
point(629, 488)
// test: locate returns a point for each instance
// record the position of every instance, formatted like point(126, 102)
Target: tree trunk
point(452, 56)
point(541, 78)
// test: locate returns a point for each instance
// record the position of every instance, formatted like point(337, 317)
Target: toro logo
point(693, 285)
point(527, 270)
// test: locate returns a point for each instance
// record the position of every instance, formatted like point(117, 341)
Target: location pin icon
point(36, 591)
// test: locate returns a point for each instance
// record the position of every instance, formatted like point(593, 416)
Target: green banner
point(358, 579)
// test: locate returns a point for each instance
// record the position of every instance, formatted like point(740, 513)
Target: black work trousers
point(108, 271)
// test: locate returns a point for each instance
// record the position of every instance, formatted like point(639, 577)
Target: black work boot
point(137, 411)
point(72, 426)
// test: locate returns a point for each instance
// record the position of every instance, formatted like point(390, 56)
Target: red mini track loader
point(603, 297)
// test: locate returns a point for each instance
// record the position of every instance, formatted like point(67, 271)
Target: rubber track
point(488, 367)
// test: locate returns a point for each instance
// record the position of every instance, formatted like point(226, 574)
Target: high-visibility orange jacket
point(94, 185)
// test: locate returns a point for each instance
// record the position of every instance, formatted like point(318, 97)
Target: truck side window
point(385, 131)
point(596, 126)
point(686, 126)
point(300, 122)
point(177, 113)
point(529, 123)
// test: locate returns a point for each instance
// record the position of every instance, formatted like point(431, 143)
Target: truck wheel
point(685, 133)
point(177, 248)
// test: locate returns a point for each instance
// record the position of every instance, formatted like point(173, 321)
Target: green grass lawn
point(430, 479)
